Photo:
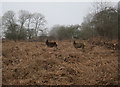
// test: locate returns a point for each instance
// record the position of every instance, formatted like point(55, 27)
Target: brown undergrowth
point(30, 63)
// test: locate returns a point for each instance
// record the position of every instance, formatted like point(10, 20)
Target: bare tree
point(38, 22)
point(100, 6)
point(23, 16)
point(32, 22)
point(29, 20)
point(9, 25)
point(8, 18)
point(28, 25)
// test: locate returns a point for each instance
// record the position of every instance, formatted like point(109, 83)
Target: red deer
point(51, 44)
point(78, 45)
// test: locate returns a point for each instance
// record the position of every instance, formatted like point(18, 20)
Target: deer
point(51, 44)
point(78, 45)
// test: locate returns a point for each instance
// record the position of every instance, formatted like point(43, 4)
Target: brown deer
point(78, 45)
point(51, 44)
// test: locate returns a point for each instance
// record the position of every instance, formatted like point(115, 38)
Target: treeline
point(65, 32)
point(26, 26)
point(102, 22)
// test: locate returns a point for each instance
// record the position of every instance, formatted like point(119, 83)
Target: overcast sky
point(63, 13)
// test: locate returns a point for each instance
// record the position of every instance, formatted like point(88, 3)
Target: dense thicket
point(103, 22)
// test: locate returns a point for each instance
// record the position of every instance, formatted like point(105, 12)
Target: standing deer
point(51, 44)
point(78, 45)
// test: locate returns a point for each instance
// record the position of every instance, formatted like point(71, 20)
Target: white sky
point(63, 13)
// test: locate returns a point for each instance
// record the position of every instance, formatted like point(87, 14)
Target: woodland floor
point(30, 63)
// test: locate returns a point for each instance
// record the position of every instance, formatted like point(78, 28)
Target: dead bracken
point(33, 63)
